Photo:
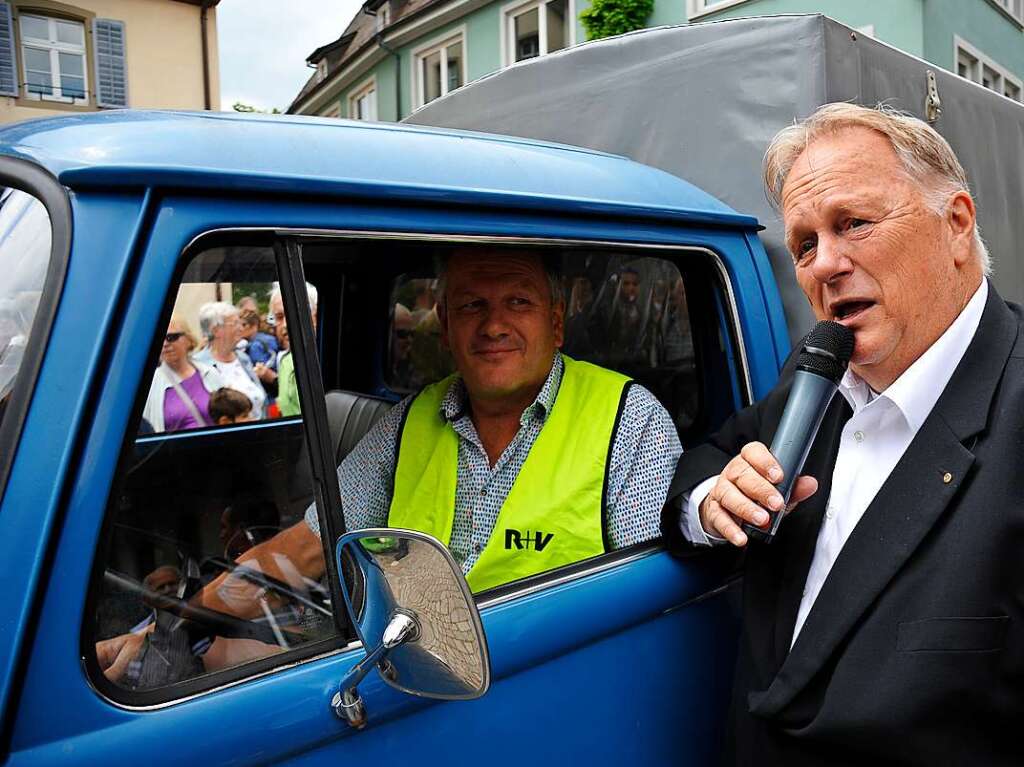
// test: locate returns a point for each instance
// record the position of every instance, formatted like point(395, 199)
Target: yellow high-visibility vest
point(554, 513)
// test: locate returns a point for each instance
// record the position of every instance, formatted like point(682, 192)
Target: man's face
point(870, 254)
point(280, 323)
point(500, 324)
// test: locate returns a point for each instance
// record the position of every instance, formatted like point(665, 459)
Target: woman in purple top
point(179, 397)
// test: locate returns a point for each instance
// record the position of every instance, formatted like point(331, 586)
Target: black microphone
point(823, 359)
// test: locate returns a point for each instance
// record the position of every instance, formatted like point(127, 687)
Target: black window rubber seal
point(35, 180)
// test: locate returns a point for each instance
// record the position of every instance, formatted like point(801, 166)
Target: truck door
point(212, 630)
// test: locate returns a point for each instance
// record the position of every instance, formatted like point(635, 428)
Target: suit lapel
point(906, 507)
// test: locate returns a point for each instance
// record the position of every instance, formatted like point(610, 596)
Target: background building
point(397, 55)
point(58, 57)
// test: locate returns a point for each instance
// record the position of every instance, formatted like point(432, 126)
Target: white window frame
point(697, 8)
point(1012, 8)
point(365, 89)
point(429, 48)
point(1005, 75)
point(321, 70)
point(383, 17)
point(511, 11)
point(54, 49)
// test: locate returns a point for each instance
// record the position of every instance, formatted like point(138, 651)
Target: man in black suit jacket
point(883, 625)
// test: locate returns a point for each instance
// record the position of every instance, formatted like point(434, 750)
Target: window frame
point(54, 48)
point(980, 62)
point(697, 8)
point(511, 11)
point(365, 89)
point(1012, 8)
point(439, 44)
point(34, 180)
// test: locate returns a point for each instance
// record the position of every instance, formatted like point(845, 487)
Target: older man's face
point(869, 253)
point(500, 325)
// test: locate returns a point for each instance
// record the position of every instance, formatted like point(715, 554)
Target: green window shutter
point(111, 66)
point(8, 67)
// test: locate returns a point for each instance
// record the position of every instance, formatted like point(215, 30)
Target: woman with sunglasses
point(179, 397)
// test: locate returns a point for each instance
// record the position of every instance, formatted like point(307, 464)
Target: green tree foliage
point(238, 106)
point(605, 18)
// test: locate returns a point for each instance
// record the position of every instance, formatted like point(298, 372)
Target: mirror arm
point(347, 703)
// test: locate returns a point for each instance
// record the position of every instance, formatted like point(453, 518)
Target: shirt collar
point(456, 400)
point(919, 387)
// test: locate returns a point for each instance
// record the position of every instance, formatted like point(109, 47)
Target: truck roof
point(325, 156)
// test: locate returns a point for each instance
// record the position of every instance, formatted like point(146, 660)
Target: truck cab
point(118, 231)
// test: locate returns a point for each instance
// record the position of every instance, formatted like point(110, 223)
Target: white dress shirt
point(872, 443)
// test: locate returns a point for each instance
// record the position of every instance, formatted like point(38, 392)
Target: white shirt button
point(859, 436)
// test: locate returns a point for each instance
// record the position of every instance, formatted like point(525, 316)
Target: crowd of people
point(238, 369)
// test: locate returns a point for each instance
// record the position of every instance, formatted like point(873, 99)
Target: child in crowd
point(229, 406)
point(261, 347)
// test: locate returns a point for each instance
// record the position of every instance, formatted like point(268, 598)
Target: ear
point(961, 218)
point(558, 323)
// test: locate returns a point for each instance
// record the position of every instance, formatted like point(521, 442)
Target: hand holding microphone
point(759, 485)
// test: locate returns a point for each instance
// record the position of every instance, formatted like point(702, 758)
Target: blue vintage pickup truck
point(119, 231)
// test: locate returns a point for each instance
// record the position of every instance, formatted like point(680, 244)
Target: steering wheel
point(218, 623)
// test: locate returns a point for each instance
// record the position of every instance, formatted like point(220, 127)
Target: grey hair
point(212, 316)
point(311, 294)
point(925, 155)
point(548, 264)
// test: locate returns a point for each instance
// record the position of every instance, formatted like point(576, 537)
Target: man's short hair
point(549, 263)
point(926, 156)
point(228, 403)
point(212, 316)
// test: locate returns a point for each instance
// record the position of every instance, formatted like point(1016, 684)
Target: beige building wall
point(164, 55)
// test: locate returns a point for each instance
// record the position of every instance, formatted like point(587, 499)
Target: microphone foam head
point(826, 350)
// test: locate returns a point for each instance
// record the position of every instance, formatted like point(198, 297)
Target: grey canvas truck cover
point(703, 101)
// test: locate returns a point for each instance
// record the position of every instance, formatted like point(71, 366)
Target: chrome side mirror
point(414, 613)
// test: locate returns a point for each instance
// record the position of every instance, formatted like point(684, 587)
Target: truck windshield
point(24, 257)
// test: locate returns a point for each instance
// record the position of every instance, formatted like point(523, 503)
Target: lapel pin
point(947, 477)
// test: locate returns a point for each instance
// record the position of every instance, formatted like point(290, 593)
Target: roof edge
point(171, 178)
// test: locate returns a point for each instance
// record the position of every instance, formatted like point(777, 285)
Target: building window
point(362, 104)
point(321, 70)
point(700, 7)
point(1013, 7)
point(53, 56)
point(383, 17)
point(439, 68)
point(535, 28)
point(973, 65)
point(334, 110)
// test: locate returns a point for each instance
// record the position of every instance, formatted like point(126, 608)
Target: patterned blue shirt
point(644, 454)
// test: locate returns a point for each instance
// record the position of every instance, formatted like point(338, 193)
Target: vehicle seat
point(349, 417)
